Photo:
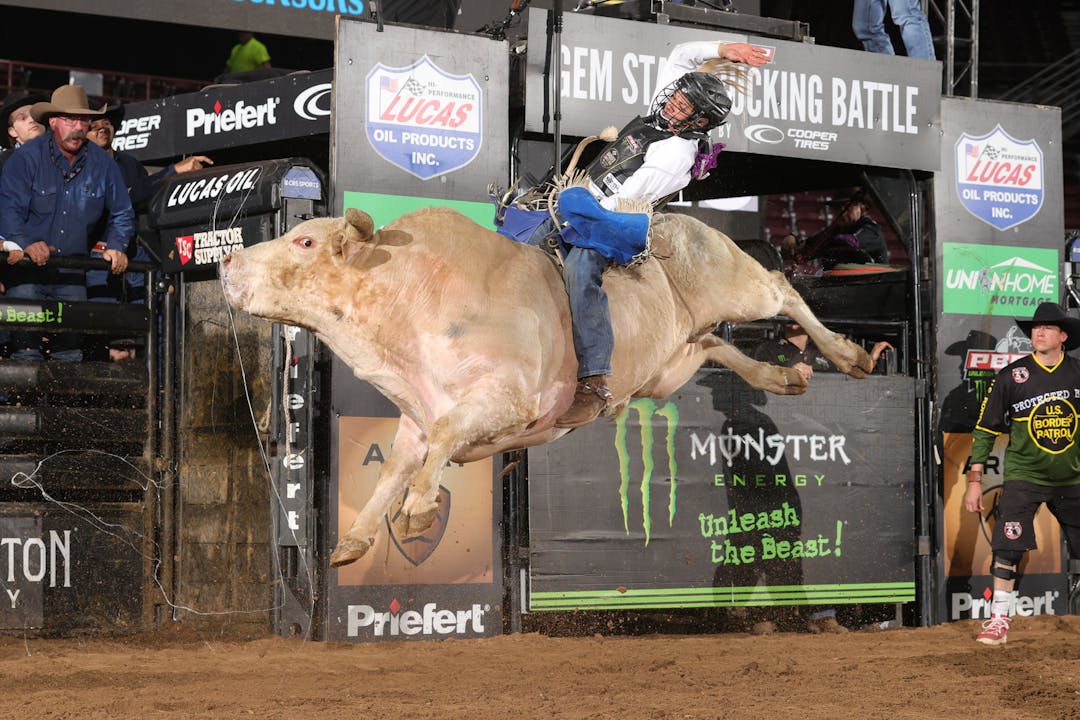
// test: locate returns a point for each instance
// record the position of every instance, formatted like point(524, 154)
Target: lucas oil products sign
point(422, 119)
point(422, 113)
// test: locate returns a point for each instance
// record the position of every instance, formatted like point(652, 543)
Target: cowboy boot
point(590, 399)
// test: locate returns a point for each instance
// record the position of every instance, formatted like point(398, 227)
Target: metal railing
point(116, 86)
point(1057, 84)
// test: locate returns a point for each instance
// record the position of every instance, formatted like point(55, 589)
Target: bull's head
point(311, 267)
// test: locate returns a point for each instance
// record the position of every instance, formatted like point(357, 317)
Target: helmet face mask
point(695, 103)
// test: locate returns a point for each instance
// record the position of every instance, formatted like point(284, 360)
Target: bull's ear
point(350, 238)
point(361, 222)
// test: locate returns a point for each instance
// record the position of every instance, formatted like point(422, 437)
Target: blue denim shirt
point(37, 203)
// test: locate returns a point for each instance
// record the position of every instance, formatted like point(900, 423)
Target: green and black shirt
point(1037, 406)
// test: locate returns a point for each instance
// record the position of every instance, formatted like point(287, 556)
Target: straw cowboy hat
point(66, 100)
point(1050, 313)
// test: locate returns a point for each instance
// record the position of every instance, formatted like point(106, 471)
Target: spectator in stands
point(868, 22)
point(21, 129)
point(140, 183)
point(853, 237)
point(53, 192)
point(102, 286)
point(248, 54)
point(796, 350)
point(1033, 400)
point(21, 126)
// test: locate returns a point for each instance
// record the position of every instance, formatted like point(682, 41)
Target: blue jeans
point(594, 340)
point(868, 22)
point(66, 347)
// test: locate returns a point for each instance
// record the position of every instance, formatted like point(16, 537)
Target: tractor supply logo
point(998, 279)
point(999, 179)
point(213, 187)
point(1052, 424)
point(422, 119)
point(429, 622)
point(135, 133)
point(207, 248)
point(646, 409)
point(240, 116)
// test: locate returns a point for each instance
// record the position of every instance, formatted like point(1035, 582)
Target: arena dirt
point(918, 673)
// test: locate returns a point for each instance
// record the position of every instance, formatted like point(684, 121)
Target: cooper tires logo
point(764, 134)
point(646, 409)
point(311, 104)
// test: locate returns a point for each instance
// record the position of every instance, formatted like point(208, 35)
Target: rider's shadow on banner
point(754, 482)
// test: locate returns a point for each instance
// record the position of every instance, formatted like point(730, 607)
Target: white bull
point(468, 333)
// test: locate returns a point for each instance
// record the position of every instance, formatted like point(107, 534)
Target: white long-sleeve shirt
point(668, 162)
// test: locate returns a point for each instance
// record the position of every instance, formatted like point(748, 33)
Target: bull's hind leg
point(404, 461)
point(760, 375)
point(845, 355)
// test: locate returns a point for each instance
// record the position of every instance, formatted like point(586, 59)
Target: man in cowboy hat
point(20, 126)
point(1035, 400)
point(53, 192)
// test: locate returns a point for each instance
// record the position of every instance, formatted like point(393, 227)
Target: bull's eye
point(306, 242)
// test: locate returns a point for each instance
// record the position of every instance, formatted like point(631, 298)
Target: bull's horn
point(360, 220)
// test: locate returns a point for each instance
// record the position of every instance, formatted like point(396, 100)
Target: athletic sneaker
point(995, 630)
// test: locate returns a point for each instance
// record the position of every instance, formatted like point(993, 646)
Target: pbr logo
point(1020, 375)
point(999, 179)
point(1012, 530)
point(422, 119)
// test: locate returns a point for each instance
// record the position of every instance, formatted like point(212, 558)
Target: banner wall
point(999, 220)
point(725, 496)
point(853, 106)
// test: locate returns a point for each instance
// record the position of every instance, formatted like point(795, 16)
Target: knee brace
point(1005, 563)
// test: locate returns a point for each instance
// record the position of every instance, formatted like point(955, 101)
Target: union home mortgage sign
point(808, 101)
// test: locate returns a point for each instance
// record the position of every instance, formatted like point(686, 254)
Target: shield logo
point(185, 247)
point(423, 119)
point(1012, 530)
point(418, 549)
point(999, 179)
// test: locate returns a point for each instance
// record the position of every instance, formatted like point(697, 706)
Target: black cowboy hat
point(1050, 313)
point(16, 100)
point(114, 112)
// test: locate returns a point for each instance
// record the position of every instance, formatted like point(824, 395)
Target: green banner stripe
point(385, 208)
point(726, 597)
point(638, 604)
point(727, 591)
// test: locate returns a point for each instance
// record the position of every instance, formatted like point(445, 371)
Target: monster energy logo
point(646, 409)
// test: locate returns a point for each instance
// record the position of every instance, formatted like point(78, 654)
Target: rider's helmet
point(695, 103)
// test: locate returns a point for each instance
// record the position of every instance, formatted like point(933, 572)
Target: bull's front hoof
point(794, 382)
point(408, 526)
point(349, 550)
